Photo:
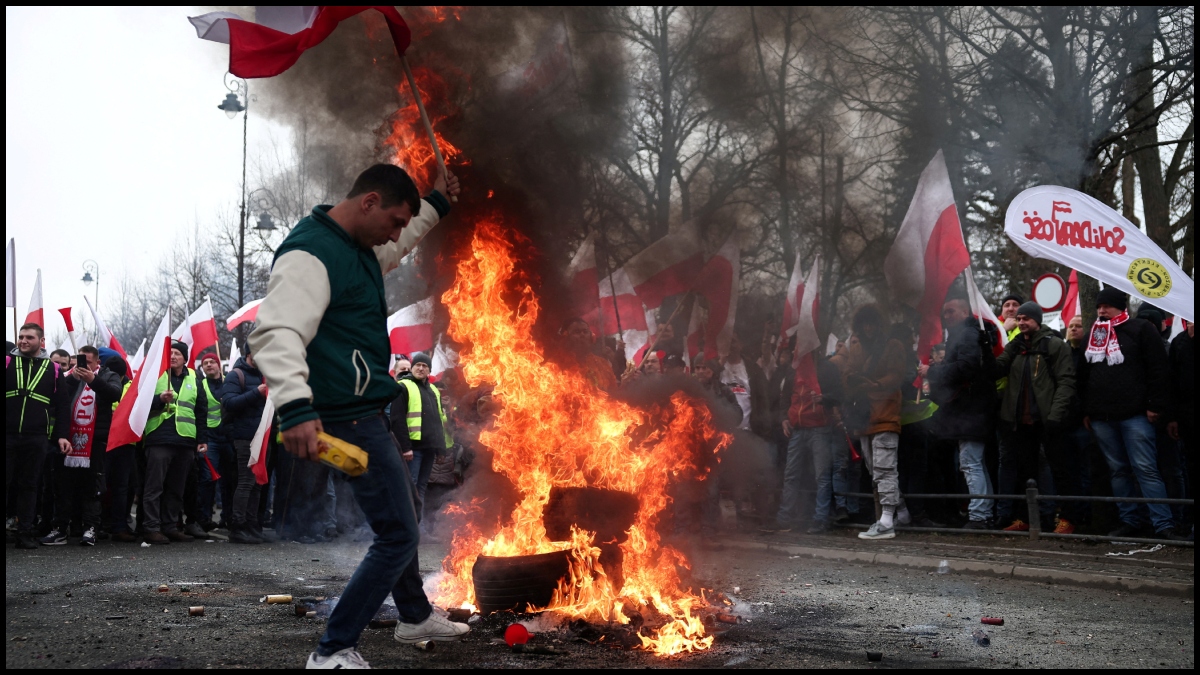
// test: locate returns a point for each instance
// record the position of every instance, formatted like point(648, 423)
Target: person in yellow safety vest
point(172, 439)
point(218, 458)
point(419, 422)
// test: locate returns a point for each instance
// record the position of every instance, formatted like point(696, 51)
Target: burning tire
point(515, 582)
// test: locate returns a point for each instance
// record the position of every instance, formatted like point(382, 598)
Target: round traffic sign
point(1049, 291)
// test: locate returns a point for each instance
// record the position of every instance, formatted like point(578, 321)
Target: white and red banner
point(718, 283)
point(791, 303)
point(411, 328)
point(667, 267)
point(129, 419)
point(104, 334)
point(135, 363)
point(1073, 229)
point(260, 443)
point(1071, 307)
point(807, 339)
point(929, 252)
point(623, 313)
point(585, 284)
point(36, 313)
point(281, 34)
point(199, 333)
point(66, 315)
point(248, 312)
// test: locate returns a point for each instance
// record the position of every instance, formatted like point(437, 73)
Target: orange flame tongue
point(555, 429)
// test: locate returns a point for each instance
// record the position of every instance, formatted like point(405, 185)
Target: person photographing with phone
point(322, 343)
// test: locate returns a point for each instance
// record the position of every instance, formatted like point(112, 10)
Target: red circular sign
point(1049, 292)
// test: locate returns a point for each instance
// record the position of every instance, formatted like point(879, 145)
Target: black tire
point(518, 581)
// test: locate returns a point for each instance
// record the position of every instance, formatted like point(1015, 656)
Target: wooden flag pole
point(437, 152)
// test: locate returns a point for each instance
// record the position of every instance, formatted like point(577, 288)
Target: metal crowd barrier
point(1032, 497)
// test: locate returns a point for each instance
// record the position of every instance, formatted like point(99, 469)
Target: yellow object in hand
point(341, 455)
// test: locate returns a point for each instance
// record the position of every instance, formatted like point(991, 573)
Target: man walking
point(419, 423)
point(1034, 413)
point(175, 432)
point(36, 411)
point(1125, 390)
point(965, 391)
point(322, 343)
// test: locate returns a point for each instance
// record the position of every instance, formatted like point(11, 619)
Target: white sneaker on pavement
point(877, 531)
point(348, 658)
point(436, 627)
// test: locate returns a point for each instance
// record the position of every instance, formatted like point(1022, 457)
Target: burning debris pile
point(555, 430)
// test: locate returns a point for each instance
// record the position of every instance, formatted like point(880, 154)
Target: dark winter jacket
point(1041, 379)
point(108, 386)
point(1132, 387)
point(166, 433)
point(1183, 377)
point(963, 386)
point(42, 410)
point(242, 403)
point(433, 436)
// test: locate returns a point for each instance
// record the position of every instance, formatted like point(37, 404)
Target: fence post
point(1035, 514)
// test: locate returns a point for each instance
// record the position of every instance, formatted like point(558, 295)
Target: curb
point(1010, 571)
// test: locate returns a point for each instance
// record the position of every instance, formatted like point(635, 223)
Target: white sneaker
point(436, 627)
point(348, 658)
point(877, 531)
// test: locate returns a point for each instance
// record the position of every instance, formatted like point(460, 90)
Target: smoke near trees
point(801, 129)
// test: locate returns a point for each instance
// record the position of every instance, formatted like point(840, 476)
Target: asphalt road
point(798, 613)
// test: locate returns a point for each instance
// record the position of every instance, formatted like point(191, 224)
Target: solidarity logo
point(1149, 277)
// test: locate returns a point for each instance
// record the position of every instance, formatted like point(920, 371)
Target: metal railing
point(1032, 497)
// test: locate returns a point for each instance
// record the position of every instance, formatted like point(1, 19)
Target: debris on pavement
point(874, 656)
point(425, 646)
point(276, 599)
point(981, 638)
point(196, 611)
point(992, 620)
point(524, 648)
point(1153, 549)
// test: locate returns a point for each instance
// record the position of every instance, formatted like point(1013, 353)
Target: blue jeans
point(816, 442)
point(421, 465)
point(385, 495)
point(970, 462)
point(1128, 447)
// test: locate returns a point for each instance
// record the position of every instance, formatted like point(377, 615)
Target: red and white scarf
point(1102, 344)
point(83, 430)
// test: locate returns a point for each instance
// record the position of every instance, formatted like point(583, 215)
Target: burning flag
point(282, 34)
point(129, 419)
point(929, 252)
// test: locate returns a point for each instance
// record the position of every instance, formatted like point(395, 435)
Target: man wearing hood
point(175, 432)
point(1034, 415)
point(92, 391)
point(243, 396)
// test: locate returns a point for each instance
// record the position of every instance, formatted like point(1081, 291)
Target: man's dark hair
point(867, 314)
point(393, 184)
point(33, 326)
point(60, 352)
point(88, 349)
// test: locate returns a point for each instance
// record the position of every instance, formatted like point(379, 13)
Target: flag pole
point(654, 342)
point(437, 152)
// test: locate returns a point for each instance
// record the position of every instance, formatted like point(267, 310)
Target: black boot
point(240, 534)
point(257, 531)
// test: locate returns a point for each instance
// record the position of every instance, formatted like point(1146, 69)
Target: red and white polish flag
point(258, 446)
point(791, 303)
point(105, 334)
point(410, 329)
point(1071, 307)
point(585, 284)
point(129, 419)
point(135, 362)
point(274, 42)
point(667, 267)
point(718, 283)
point(807, 339)
point(198, 332)
point(66, 315)
point(248, 312)
point(618, 300)
point(36, 314)
point(929, 252)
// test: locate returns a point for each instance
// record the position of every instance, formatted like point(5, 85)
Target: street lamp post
point(91, 272)
point(232, 105)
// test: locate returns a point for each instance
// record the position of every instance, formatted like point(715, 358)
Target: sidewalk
point(1167, 571)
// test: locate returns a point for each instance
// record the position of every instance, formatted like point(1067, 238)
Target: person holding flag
point(37, 411)
point(322, 343)
point(243, 397)
point(175, 432)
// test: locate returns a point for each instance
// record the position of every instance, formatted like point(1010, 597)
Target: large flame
point(408, 142)
point(555, 429)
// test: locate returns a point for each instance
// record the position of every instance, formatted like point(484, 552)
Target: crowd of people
point(191, 474)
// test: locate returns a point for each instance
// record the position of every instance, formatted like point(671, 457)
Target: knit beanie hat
point(1031, 310)
point(1012, 296)
point(420, 357)
point(1113, 297)
point(181, 347)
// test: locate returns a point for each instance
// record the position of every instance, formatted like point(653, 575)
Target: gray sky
point(114, 145)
